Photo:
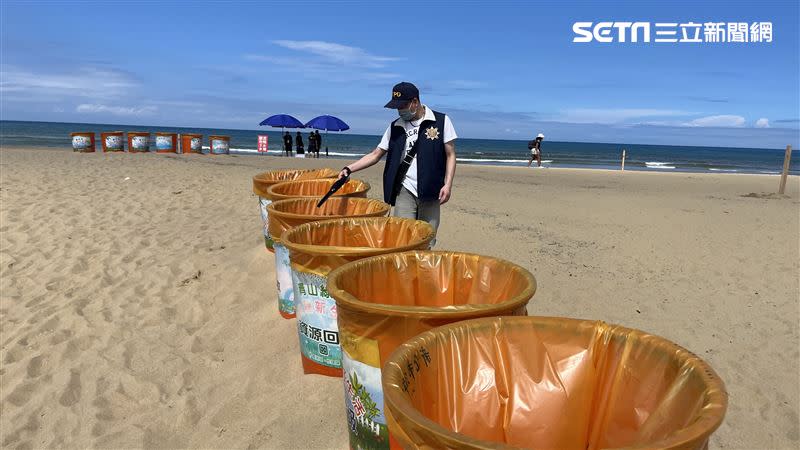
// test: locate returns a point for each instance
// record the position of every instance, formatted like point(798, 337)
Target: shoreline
point(278, 155)
point(631, 166)
point(176, 128)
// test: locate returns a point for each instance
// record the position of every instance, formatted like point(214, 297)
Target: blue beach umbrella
point(327, 123)
point(282, 121)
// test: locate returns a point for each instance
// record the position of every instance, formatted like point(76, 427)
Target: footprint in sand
point(28, 430)
point(35, 365)
point(22, 393)
point(72, 394)
point(80, 267)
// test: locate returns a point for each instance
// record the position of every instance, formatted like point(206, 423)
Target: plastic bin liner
point(315, 249)
point(264, 180)
point(285, 214)
point(317, 189)
point(536, 382)
point(385, 300)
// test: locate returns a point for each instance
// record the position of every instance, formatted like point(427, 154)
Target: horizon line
point(276, 129)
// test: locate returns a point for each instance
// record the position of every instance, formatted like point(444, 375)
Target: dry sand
point(139, 305)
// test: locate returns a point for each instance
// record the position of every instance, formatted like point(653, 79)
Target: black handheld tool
point(335, 187)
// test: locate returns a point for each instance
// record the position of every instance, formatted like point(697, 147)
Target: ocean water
point(657, 158)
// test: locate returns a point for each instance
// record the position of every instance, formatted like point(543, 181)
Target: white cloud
point(337, 53)
point(614, 115)
point(116, 110)
point(329, 61)
point(652, 117)
point(724, 120)
point(312, 67)
point(94, 82)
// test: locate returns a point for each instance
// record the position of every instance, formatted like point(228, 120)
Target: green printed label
point(283, 275)
point(316, 319)
point(262, 206)
point(364, 401)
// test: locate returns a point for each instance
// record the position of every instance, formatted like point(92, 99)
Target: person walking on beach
point(299, 143)
point(420, 154)
point(287, 144)
point(318, 142)
point(535, 146)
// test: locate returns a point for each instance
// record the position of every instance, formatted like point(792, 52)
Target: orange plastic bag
point(385, 300)
point(543, 382)
point(264, 180)
point(316, 189)
point(286, 214)
point(315, 249)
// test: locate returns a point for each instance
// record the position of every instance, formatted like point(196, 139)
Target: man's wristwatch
point(348, 170)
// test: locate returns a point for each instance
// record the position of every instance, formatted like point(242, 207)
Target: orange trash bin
point(316, 189)
point(138, 142)
point(385, 300)
point(191, 143)
point(113, 141)
point(264, 180)
point(287, 214)
point(82, 141)
point(315, 249)
point(219, 145)
point(548, 382)
point(166, 142)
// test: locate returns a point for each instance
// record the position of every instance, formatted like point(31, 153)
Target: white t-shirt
point(412, 130)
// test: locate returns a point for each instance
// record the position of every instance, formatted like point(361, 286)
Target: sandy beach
point(138, 303)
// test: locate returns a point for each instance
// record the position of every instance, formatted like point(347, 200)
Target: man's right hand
point(343, 173)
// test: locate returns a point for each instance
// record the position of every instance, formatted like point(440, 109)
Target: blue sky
point(500, 70)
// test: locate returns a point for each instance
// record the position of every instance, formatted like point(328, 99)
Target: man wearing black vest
point(287, 144)
point(420, 157)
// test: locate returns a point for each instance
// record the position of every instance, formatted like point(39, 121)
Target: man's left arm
point(450, 171)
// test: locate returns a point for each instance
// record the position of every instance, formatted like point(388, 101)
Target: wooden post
point(623, 159)
point(786, 160)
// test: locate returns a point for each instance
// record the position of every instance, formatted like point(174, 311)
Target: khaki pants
point(408, 206)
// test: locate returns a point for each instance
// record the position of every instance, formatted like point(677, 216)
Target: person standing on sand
point(287, 144)
point(535, 146)
point(420, 154)
point(311, 138)
point(299, 143)
point(318, 141)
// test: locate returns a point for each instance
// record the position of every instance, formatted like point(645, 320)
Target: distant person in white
point(415, 182)
point(535, 146)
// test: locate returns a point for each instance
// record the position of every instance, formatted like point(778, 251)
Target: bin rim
point(365, 187)
point(330, 250)
point(704, 424)
point(385, 207)
point(467, 311)
point(260, 178)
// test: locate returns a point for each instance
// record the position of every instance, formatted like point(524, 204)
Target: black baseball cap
point(402, 93)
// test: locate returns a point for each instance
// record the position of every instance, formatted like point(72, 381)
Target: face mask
point(406, 114)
